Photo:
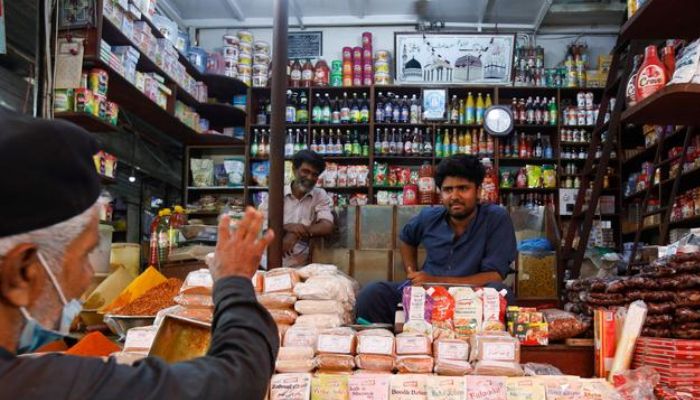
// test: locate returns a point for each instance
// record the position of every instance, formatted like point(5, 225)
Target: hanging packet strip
point(418, 308)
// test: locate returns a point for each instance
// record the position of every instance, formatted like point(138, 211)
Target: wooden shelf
point(191, 69)
point(267, 126)
point(212, 139)
point(578, 126)
point(535, 126)
point(345, 189)
point(216, 188)
point(387, 187)
point(564, 143)
point(223, 87)
point(107, 180)
point(87, 121)
point(222, 115)
point(526, 190)
point(402, 124)
point(663, 19)
point(672, 105)
point(458, 126)
point(115, 37)
point(345, 158)
point(517, 160)
point(340, 126)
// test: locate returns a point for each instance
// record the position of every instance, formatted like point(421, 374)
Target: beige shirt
point(313, 207)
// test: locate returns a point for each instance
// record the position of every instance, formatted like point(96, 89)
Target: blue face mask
point(34, 335)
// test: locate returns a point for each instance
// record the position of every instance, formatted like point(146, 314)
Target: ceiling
point(519, 15)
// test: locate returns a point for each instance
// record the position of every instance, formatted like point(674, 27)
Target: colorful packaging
point(369, 386)
point(605, 326)
point(98, 81)
point(329, 387)
point(486, 388)
point(418, 308)
point(494, 309)
point(528, 325)
point(468, 313)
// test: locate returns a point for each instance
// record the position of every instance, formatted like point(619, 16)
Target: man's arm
point(409, 256)
point(479, 279)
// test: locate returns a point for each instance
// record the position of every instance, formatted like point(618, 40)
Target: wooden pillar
point(278, 96)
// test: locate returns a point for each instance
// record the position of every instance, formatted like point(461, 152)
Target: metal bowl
point(119, 324)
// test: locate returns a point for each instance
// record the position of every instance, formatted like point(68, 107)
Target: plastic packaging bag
point(442, 312)
point(495, 305)
point(417, 306)
point(301, 336)
point(534, 369)
point(338, 342)
point(486, 387)
point(335, 362)
point(329, 387)
point(368, 386)
point(295, 353)
point(328, 286)
point(320, 321)
point(198, 282)
point(452, 367)
point(495, 346)
point(277, 301)
point(637, 384)
point(376, 344)
point(636, 314)
point(414, 364)
point(413, 344)
point(375, 362)
point(316, 269)
point(497, 368)
point(468, 313)
point(280, 280)
point(563, 324)
point(286, 317)
point(451, 349)
point(292, 366)
point(446, 388)
point(307, 307)
point(195, 300)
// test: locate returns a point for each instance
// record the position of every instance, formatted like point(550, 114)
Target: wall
point(334, 39)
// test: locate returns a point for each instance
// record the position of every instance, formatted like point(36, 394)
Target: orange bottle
point(426, 184)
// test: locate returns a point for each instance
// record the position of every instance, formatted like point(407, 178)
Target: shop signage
point(453, 58)
point(304, 44)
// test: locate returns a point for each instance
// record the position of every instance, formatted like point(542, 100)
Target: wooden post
point(278, 97)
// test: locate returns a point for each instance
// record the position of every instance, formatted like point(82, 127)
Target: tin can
point(589, 100)
point(347, 53)
point(347, 67)
point(230, 51)
point(357, 69)
point(357, 54)
point(357, 80)
point(63, 100)
point(336, 80)
point(367, 55)
point(231, 40)
point(83, 100)
point(366, 39)
point(245, 37)
point(382, 55)
point(336, 66)
point(581, 117)
point(368, 80)
point(590, 117)
point(581, 100)
point(368, 69)
point(347, 80)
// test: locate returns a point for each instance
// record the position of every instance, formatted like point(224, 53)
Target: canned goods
point(260, 69)
point(231, 40)
point(230, 62)
point(382, 79)
point(347, 67)
point(245, 59)
point(367, 55)
point(368, 80)
point(336, 66)
point(366, 39)
point(261, 46)
point(261, 58)
point(357, 69)
point(83, 100)
point(98, 81)
point(245, 69)
point(381, 67)
point(230, 51)
point(245, 37)
point(382, 55)
point(347, 80)
point(347, 53)
point(590, 117)
point(368, 69)
point(571, 116)
point(581, 100)
point(336, 80)
point(581, 117)
point(259, 80)
point(246, 47)
point(357, 54)
point(589, 100)
point(63, 100)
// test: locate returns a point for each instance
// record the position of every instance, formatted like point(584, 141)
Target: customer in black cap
point(48, 225)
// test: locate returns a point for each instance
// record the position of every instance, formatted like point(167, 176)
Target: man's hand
point(238, 253)
point(288, 242)
point(301, 231)
point(420, 278)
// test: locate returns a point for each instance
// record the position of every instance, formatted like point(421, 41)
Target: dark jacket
point(239, 363)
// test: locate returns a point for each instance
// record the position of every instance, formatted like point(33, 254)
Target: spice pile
point(155, 299)
point(93, 344)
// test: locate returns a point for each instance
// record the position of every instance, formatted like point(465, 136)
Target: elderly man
point(49, 226)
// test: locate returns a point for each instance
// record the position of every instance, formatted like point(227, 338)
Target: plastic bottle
point(302, 115)
point(295, 75)
point(307, 74)
point(631, 88)
point(470, 117)
point(163, 236)
point(479, 109)
point(652, 74)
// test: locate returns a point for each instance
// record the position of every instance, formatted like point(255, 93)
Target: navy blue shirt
point(487, 245)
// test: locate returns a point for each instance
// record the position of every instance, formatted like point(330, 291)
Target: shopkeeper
point(466, 242)
point(49, 225)
point(307, 209)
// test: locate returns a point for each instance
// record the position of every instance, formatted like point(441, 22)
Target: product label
point(290, 387)
point(453, 350)
point(337, 344)
point(446, 387)
point(408, 387)
point(498, 351)
point(486, 388)
point(650, 79)
point(369, 387)
point(139, 340)
point(199, 279)
point(412, 345)
point(278, 283)
point(375, 345)
point(329, 387)
point(417, 309)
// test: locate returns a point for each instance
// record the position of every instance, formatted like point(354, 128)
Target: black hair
point(461, 166)
point(310, 157)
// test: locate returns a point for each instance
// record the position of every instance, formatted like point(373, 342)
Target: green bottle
point(438, 145)
point(356, 147)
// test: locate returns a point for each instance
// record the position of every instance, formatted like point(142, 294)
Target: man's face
point(74, 277)
point(305, 177)
point(459, 196)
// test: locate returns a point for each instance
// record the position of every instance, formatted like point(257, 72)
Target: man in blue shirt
point(466, 242)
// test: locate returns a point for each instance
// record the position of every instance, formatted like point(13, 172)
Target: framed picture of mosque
point(453, 58)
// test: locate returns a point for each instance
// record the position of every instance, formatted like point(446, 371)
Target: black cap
point(47, 173)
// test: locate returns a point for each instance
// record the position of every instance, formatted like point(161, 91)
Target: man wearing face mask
point(49, 215)
point(466, 242)
point(307, 209)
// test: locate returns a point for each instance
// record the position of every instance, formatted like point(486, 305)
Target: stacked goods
point(375, 350)
point(278, 296)
point(670, 287)
point(451, 357)
point(676, 360)
point(90, 97)
point(495, 354)
point(326, 299)
point(382, 71)
point(261, 63)
point(357, 67)
point(335, 350)
point(241, 58)
point(245, 57)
